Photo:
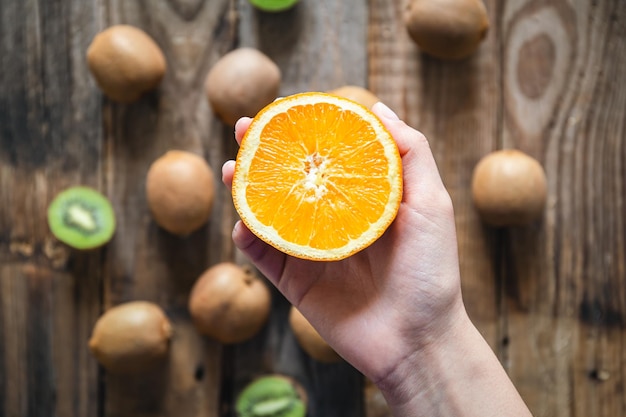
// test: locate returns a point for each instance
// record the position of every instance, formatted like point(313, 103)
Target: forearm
point(457, 376)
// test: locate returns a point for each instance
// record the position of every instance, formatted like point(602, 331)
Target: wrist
point(420, 375)
point(455, 374)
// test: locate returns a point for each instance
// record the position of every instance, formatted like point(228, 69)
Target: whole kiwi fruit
point(241, 83)
point(309, 339)
point(272, 396)
point(131, 337)
point(509, 188)
point(229, 303)
point(361, 95)
point(125, 62)
point(180, 189)
point(447, 29)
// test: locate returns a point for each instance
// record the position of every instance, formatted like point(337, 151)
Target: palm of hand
point(401, 275)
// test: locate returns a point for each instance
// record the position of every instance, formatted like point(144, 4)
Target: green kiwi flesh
point(271, 396)
point(81, 217)
point(273, 5)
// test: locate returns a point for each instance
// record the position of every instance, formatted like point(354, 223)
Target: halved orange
point(317, 176)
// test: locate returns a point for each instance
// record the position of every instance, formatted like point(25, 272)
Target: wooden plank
point(318, 45)
point(566, 298)
point(144, 261)
point(456, 105)
point(46, 363)
point(549, 298)
point(49, 139)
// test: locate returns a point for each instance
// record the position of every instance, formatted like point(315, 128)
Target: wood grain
point(50, 138)
point(318, 45)
point(145, 262)
point(564, 277)
point(549, 298)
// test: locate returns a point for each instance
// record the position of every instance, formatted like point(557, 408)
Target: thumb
point(267, 259)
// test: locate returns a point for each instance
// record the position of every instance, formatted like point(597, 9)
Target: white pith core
point(315, 179)
point(82, 217)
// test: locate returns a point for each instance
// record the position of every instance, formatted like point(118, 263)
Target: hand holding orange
point(317, 176)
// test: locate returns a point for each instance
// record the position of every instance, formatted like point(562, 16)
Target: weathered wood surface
point(564, 281)
point(550, 299)
point(50, 138)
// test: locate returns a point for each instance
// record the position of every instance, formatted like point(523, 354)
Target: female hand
point(374, 306)
point(394, 310)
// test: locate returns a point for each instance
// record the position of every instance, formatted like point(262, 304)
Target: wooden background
point(549, 298)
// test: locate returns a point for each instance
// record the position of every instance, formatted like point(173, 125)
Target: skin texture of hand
point(387, 308)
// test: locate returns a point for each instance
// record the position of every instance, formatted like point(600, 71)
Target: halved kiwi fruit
point(81, 217)
point(273, 5)
point(272, 396)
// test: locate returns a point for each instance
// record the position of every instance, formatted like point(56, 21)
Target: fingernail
point(236, 123)
point(224, 170)
point(385, 111)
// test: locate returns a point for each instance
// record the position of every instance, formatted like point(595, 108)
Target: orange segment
point(317, 176)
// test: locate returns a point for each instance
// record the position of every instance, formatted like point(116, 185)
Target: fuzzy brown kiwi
point(180, 189)
point(447, 29)
point(509, 188)
point(125, 62)
point(309, 339)
point(241, 83)
point(131, 337)
point(229, 303)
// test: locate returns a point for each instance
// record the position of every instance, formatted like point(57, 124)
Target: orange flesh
point(315, 181)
